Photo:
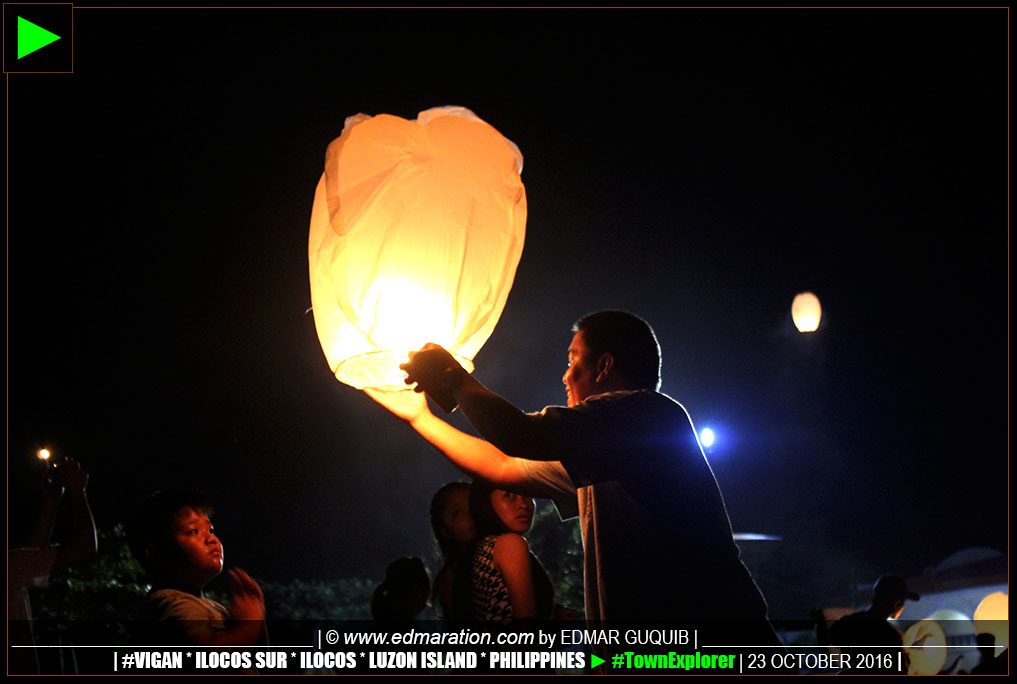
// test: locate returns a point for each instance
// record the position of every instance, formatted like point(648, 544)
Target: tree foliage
point(559, 546)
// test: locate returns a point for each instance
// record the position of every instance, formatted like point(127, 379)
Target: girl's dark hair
point(448, 550)
point(453, 557)
point(485, 520)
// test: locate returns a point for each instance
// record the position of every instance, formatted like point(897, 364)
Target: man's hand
point(71, 475)
point(436, 372)
point(408, 406)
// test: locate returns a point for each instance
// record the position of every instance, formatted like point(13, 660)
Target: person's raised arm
point(473, 456)
point(85, 542)
point(513, 432)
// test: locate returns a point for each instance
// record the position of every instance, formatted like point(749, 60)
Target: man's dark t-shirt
point(658, 542)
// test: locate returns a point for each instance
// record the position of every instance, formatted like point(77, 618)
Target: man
point(621, 456)
point(869, 628)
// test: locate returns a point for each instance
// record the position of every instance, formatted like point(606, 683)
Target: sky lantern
point(925, 644)
point(992, 617)
point(416, 231)
point(806, 312)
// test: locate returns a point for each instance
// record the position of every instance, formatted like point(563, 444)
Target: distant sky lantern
point(806, 312)
point(416, 231)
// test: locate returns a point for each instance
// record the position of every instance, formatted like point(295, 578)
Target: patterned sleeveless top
point(489, 597)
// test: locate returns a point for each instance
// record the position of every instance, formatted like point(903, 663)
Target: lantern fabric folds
point(416, 231)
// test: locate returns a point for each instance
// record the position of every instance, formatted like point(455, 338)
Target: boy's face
point(195, 553)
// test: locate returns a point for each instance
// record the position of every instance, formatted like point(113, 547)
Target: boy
point(172, 536)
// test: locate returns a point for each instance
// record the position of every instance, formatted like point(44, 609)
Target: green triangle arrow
point(595, 661)
point(32, 37)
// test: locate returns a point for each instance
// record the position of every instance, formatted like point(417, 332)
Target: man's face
point(196, 551)
point(581, 377)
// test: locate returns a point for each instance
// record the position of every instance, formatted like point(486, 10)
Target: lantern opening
point(399, 317)
point(380, 370)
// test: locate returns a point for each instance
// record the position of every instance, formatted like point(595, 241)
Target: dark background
point(699, 168)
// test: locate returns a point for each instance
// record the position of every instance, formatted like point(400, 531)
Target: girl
point(506, 582)
point(454, 532)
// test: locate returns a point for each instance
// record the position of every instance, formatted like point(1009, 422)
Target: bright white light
point(43, 454)
point(406, 317)
point(707, 437)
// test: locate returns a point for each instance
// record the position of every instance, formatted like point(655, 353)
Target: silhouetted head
point(611, 351)
point(890, 593)
point(404, 592)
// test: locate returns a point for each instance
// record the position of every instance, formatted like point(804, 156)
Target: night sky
point(698, 168)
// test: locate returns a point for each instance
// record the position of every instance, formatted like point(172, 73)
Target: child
point(171, 535)
point(454, 533)
point(507, 583)
point(403, 594)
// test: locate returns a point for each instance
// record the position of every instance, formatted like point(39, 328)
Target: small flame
point(44, 454)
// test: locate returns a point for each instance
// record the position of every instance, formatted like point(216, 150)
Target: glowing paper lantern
point(416, 231)
point(925, 644)
point(991, 617)
point(806, 312)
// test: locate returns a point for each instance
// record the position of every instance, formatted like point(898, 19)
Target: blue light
point(707, 437)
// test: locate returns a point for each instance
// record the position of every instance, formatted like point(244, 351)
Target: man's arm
point(84, 542)
point(43, 529)
point(512, 431)
point(515, 433)
point(473, 456)
point(71, 478)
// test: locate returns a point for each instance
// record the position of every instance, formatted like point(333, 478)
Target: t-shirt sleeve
point(551, 477)
point(186, 619)
point(586, 440)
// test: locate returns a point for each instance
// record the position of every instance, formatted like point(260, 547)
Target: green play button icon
point(595, 661)
point(32, 37)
